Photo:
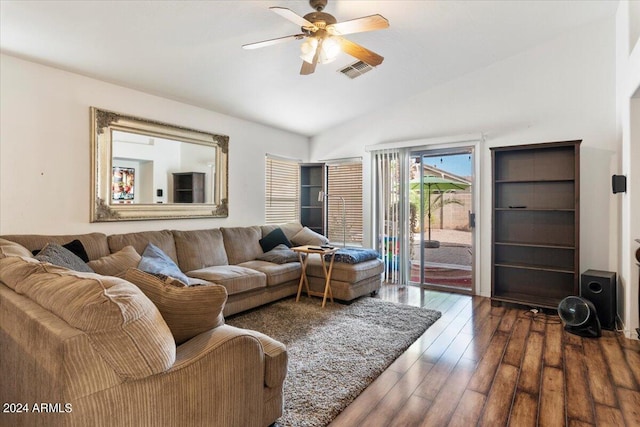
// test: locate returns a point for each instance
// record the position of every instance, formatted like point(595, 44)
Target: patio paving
point(450, 264)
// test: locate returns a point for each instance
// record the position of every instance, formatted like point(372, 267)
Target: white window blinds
point(344, 182)
point(282, 190)
point(389, 225)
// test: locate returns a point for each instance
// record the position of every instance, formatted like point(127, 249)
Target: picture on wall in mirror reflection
point(123, 184)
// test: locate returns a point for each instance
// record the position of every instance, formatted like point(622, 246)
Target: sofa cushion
point(281, 254)
point(116, 264)
point(9, 248)
point(199, 249)
point(307, 236)
point(289, 229)
point(276, 273)
point(155, 261)
point(346, 272)
point(194, 281)
point(188, 311)
point(268, 228)
point(242, 243)
point(95, 244)
point(122, 324)
point(273, 239)
point(235, 278)
point(162, 239)
point(58, 255)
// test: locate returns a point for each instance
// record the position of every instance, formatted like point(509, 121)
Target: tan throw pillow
point(306, 236)
point(9, 248)
point(188, 311)
point(116, 264)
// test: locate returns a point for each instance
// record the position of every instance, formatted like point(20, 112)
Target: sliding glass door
point(441, 219)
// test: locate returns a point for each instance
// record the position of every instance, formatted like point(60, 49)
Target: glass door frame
point(429, 151)
point(402, 148)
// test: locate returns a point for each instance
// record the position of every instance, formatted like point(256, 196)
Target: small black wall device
point(619, 184)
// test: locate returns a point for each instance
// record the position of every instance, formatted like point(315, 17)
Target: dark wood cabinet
point(312, 179)
point(535, 223)
point(188, 187)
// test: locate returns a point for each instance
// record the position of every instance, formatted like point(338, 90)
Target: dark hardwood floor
point(498, 366)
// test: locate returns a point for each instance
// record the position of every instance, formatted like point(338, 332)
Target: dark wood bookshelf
point(311, 184)
point(535, 223)
point(188, 187)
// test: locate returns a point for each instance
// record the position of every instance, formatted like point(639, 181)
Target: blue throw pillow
point(155, 261)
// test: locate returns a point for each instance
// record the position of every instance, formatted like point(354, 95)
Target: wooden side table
point(310, 250)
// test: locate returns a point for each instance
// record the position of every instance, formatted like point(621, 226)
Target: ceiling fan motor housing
point(319, 19)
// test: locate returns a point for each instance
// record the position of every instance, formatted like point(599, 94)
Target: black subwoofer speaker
point(599, 287)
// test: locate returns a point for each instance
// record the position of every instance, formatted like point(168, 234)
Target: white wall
point(628, 115)
point(562, 90)
point(45, 146)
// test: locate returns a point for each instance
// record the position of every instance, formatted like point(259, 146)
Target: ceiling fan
point(324, 36)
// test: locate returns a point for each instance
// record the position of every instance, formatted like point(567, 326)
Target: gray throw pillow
point(57, 255)
point(307, 236)
point(155, 261)
point(281, 254)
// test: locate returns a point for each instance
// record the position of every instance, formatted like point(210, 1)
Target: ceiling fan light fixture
point(308, 49)
point(330, 50)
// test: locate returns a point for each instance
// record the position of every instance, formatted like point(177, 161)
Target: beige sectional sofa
point(227, 256)
point(98, 343)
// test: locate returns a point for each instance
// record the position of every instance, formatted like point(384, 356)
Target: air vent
point(356, 69)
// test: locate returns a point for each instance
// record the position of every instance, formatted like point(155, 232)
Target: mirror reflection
point(144, 169)
point(147, 169)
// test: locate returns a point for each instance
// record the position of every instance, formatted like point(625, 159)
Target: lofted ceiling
point(190, 51)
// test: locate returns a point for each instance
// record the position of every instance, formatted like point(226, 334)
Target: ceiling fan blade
point(294, 17)
point(359, 25)
point(270, 42)
point(359, 52)
point(309, 68)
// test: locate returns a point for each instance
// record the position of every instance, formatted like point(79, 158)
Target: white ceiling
point(191, 50)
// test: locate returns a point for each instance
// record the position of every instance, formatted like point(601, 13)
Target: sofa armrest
point(275, 359)
point(198, 346)
point(216, 381)
point(275, 353)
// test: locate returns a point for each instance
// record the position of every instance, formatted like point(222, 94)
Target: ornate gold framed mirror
point(144, 169)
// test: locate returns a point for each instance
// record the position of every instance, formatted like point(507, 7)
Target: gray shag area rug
point(335, 352)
